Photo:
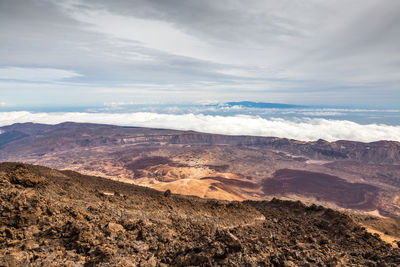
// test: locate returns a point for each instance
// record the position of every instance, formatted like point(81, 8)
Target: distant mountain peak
point(250, 104)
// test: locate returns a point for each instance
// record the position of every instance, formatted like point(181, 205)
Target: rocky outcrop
point(50, 217)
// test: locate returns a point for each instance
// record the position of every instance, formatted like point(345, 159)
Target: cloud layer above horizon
point(87, 52)
point(304, 129)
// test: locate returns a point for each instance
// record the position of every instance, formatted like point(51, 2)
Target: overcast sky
point(91, 52)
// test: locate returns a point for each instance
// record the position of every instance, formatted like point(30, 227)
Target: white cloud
point(36, 74)
point(321, 113)
point(4, 104)
point(153, 34)
point(305, 129)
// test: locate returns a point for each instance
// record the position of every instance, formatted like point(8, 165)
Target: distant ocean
point(235, 118)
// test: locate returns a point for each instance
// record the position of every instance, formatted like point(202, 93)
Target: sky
point(97, 52)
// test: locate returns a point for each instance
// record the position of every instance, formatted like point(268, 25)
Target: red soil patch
point(323, 187)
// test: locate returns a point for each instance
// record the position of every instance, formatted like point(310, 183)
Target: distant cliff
point(33, 136)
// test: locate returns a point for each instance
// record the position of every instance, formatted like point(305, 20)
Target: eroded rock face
point(73, 219)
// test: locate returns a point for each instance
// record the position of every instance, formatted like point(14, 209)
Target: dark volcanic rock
point(167, 193)
point(50, 217)
point(322, 186)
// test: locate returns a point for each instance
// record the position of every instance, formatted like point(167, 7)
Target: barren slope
point(50, 217)
point(364, 177)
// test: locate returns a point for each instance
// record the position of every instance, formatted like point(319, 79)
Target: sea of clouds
point(306, 129)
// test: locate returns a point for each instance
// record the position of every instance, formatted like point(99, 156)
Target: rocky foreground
point(50, 217)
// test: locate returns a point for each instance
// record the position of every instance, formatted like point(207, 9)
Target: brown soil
point(234, 182)
point(63, 218)
point(218, 168)
point(387, 228)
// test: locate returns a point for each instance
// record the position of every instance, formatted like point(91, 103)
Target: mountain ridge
point(220, 166)
point(335, 148)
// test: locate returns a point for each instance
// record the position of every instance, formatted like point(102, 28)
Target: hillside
point(366, 176)
point(51, 217)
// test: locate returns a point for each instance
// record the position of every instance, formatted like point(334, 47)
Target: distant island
point(250, 104)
